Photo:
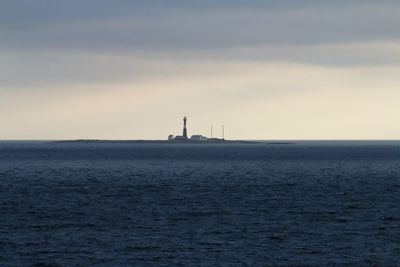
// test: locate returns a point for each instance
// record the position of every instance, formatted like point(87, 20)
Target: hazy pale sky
point(266, 69)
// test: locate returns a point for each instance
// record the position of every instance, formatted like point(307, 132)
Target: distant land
point(179, 139)
point(209, 141)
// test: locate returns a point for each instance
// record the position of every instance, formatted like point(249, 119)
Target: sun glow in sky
point(265, 69)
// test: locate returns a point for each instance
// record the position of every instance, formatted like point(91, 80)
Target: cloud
point(59, 68)
point(304, 69)
point(97, 40)
point(155, 25)
point(48, 42)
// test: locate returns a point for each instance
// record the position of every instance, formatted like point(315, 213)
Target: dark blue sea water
point(308, 204)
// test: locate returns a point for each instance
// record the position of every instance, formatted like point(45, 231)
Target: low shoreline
point(219, 141)
point(213, 141)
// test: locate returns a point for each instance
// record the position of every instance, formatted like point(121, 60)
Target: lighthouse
point(184, 128)
point(196, 138)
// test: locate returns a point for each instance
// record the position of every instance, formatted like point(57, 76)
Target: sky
point(266, 69)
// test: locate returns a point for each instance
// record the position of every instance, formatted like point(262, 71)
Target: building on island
point(184, 136)
point(198, 137)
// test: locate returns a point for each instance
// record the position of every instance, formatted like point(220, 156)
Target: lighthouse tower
point(184, 128)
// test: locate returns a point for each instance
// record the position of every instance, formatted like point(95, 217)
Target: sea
point(326, 203)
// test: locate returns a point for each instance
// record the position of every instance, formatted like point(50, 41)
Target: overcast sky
point(127, 69)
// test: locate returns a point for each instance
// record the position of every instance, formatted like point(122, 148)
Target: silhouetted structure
point(184, 128)
point(182, 137)
point(196, 138)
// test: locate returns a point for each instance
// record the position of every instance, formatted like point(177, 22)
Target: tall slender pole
point(211, 131)
point(223, 132)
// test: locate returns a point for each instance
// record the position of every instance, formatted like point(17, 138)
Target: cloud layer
point(125, 57)
point(132, 25)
